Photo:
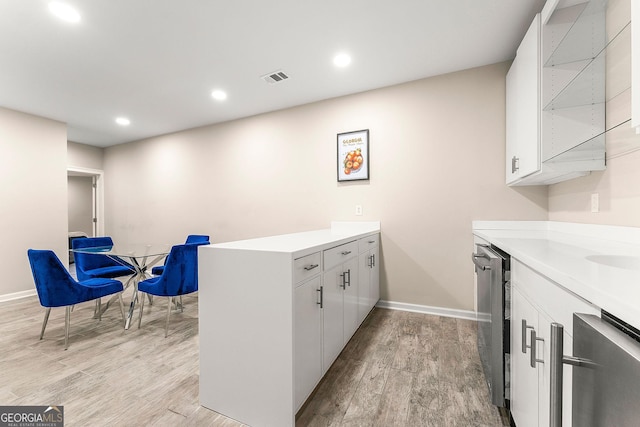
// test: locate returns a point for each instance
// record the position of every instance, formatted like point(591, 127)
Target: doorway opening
point(85, 199)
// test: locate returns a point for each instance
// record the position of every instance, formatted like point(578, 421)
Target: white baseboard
point(438, 311)
point(17, 295)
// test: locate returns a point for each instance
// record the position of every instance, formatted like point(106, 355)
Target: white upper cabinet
point(523, 108)
point(556, 95)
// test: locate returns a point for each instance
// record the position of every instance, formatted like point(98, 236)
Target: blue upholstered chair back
point(180, 274)
point(86, 262)
point(197, 239)
point(54, 284)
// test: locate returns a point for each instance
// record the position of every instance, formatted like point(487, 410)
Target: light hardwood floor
point(401, 369)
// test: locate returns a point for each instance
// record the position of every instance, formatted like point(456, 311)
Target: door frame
point(98, 205)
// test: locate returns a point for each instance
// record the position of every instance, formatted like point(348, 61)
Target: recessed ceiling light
point(64, 11)
point(341, 60)
point(218, 94)
point(123, 121)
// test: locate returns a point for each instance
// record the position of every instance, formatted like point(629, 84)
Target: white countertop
point(601, 264)
point(306, 242)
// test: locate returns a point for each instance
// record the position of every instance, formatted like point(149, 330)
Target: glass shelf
point(592, 149)
point(582, 90)
point(589, 25)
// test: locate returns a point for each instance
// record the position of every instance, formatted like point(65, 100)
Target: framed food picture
point(353, 155)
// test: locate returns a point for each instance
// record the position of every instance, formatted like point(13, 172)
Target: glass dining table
point(140, 257)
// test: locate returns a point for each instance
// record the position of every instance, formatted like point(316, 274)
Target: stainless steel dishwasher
point(606, 373)
point(493, 298)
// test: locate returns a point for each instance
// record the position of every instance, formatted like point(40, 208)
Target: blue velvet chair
point(56, 287)
point(92, 266)
point(192, 239)
point(180, 277)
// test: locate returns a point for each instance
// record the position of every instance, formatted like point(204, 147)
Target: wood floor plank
point(395, 401)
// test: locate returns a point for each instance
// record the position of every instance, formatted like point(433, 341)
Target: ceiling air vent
point(275, 77)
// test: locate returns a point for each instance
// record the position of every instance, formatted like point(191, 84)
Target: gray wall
point(33, 194)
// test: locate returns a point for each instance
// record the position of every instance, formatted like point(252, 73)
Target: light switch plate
point(358, 210)
point(595, 203)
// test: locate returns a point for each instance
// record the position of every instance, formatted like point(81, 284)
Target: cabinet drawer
point(368, 242)
point(550, 298)
point(340, 254)
point(306, 267)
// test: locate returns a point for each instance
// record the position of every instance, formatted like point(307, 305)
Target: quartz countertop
point(300, 244)
point(599, 263)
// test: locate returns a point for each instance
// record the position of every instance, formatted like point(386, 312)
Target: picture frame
point(353, 155)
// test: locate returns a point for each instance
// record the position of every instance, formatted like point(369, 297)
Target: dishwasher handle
point(474, 258)
point(557, 358)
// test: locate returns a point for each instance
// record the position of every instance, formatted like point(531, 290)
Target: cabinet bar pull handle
point(515, 164)
point(534, 357)
point(349, 277)
point(372, 241)
point(370, 263)
point(345, 252)
point(321, 296)
point(311, 267)
point(344, 281)
point(373, 260)
point(524, 336)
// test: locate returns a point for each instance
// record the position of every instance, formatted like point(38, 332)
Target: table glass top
point(128, 250)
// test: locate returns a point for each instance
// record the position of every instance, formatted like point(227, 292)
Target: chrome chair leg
point(166, 325)
point(122, 307)
point(67, 320)
point(99, 309)
point(150, 299)
point(181, 305)
point(46, 319)
point(141, 310)
point(128, 282)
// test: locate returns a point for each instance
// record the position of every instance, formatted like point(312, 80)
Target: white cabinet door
point(511, 105)
point(364, 285)
point(529, 100)
point(332, 316)
point(369, 279)
point(351, 319)
point(374, 278)
point(524, 378)
point(543, 353)
point(307, 339)
point(523, 107)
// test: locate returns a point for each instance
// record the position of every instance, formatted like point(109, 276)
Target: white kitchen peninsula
point(275, 312)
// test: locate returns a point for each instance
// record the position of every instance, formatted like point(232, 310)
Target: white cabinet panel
point(307, 339)
point(524, 378)
point(333, 316)
point(351, 319)
point(306, 267)
point(339, 254)
point(374, 278)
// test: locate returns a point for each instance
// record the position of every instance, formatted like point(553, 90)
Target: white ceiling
point(157, 61)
